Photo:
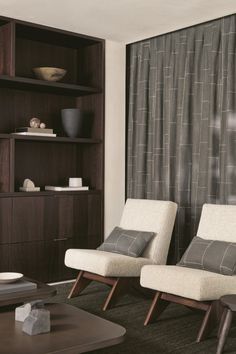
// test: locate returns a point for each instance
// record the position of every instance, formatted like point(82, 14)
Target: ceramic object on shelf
point(76, 123)
point(9, 277)
point(29, 186)
point(49, 73)
point(34, 122)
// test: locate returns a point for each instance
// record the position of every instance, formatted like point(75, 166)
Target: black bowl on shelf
point(76, 123)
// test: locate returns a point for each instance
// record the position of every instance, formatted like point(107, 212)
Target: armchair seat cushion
point(104, 263)
point(191, 283)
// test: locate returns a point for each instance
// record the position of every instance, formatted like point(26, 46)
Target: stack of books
point(35, 131)
point(66, 188)
point(22, 285)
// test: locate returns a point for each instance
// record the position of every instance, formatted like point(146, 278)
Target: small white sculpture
point(29, 186)
point(42, 125)
point(28, 183)
point(22, 312)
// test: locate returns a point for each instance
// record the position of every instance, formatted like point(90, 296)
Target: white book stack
point(66, 188)
point(28, 131)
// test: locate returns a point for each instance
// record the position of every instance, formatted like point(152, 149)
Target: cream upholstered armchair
point(118, 270)
point(196, 288)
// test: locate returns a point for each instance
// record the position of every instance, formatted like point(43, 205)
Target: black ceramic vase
point(72, 122)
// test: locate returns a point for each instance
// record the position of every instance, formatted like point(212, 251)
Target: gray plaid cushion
point(128, 242)
point(214, 256)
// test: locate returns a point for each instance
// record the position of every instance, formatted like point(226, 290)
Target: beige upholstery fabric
point(139, 214)
point(105, 263)
point(151, 215)
point(195, 284)
point(218, 222)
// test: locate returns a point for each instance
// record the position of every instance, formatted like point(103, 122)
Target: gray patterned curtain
point(181, 140)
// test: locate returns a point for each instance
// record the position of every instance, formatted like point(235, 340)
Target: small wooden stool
point(229, 304)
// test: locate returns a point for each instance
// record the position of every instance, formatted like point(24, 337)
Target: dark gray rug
point(174, 332)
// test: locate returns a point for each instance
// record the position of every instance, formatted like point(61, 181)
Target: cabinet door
point(72, 218)
point(71, 232)
point(33, 219)
point(64, 208)
point(5, 219)
point(30, 258)
point(4, 258)
point(81, 221)
point(94, 220)
point(57, 270)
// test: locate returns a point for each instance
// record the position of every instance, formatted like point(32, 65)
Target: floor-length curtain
point(181, 138)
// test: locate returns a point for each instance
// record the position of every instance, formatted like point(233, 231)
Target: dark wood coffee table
point(43, 291)
point(73, 331)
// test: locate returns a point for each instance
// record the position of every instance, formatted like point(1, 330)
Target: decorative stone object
point(29, 186)
point(37, 322)
point(34, 122)
point(42, 125)
point(28, 183)
point(22, 312)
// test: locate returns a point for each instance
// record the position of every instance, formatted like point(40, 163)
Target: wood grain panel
point(94, 221)
point(5, 220)
point(4, 258)
point(31, 259)
point(7, 49)
point(33, 219)
point(93, 169)
point(5, 165)
point(91, 65)
point(94, 104)
point(31, 54)
point(60, 161)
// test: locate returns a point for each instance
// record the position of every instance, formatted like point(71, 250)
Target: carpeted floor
point(174, 332)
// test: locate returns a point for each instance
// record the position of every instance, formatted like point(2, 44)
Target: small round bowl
point(9, 277)
point(49, 73)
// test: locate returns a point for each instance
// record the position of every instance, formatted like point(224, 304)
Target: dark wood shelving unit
point(49, 193)
point(36, 228)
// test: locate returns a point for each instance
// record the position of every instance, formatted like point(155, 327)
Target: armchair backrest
point(151, 215)
point(218, 222)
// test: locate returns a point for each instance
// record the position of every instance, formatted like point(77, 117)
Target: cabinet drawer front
point(39, 260)
point(33, 219)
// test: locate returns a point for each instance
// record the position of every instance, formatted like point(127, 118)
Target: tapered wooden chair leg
point(157, 307)
point(119, 287)
point(224, 331)
point(80, 284)
point(210, 321)
point(222, 321)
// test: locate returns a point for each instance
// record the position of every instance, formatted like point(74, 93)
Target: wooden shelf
point(57, 139)
point(22, 83)
point(47, 193)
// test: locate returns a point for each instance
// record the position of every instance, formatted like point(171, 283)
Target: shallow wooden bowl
point(49, 73)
